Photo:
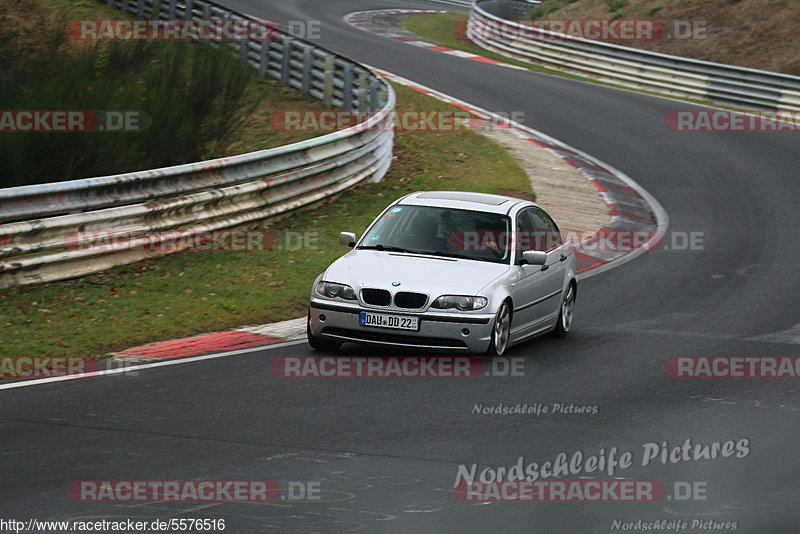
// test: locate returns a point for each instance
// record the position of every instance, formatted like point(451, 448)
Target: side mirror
point(534, 257)
point(347, 239)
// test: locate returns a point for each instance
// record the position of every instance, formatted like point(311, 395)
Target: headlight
point(333, 290)
point(460, 302)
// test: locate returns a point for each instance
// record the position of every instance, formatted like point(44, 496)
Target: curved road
point(386, 452)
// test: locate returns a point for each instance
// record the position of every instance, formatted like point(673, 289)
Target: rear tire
point(565, 314)
point(500, 331)
point(323, 345)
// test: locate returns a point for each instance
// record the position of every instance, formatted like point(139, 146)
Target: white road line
point(161, 363)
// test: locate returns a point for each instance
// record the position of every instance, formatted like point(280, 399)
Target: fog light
point(322, 317)
point(465, 331)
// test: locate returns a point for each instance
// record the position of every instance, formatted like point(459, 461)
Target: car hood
point(435, 276)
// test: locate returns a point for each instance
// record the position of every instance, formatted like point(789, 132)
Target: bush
point(655, 8)
point(536, 13)
point(552, 8)
point(192, 92)
point(616, 5)
point(621, 14)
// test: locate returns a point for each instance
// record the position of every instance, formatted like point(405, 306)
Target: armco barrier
point(490, 28)
point(457, 3)
point(37, 220)
point(528, 4)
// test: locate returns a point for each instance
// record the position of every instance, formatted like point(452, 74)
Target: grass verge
point(758, 34)
point(449, 29)
point(195, 292)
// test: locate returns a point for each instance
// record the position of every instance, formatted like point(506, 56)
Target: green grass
point(195, 292)
point(536, 13)
point(73, 9)
point(552, 8)
point(616, 5)
point(654, 8)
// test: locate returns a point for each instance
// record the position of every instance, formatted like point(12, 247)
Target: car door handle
point(545, 267)
point(563, 257)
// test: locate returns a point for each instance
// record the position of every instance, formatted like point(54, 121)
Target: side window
point(546, 230)
point(526, 231)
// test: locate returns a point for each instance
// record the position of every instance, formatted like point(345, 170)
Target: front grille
point(376, 297)
point(410, 301)
point(386, 337)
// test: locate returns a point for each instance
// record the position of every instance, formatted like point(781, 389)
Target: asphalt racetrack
point(385, 453)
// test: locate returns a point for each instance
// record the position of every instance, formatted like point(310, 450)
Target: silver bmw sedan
point(448, 270)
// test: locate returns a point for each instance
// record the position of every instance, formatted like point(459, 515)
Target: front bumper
point(437, 330)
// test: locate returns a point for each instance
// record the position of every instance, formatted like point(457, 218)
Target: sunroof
point(465, 197)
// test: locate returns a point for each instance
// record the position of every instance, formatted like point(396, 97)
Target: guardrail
point(458, 3)
point(489, 28)
point(38, 222)
point(468, 3)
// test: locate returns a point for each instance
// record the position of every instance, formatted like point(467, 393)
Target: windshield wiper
point(463, 256)
point(454, 255)
point(390, 248)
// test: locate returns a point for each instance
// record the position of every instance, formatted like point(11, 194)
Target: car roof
point(463, 200)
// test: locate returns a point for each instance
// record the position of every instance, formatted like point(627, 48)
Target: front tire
point(566, 313)
point(500, 331)
point(323, 345)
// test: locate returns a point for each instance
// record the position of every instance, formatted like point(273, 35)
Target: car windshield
point(447, 232)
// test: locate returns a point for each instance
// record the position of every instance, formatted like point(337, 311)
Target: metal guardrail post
point(263, 58)
point(374, 88)
point(308, 62)
point(383, 95)
point(244, 49)
point(363, 90)
point(285, 59)
point(347, 88)
point(328, 75)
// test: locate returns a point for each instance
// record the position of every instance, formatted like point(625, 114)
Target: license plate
point(383, 320)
